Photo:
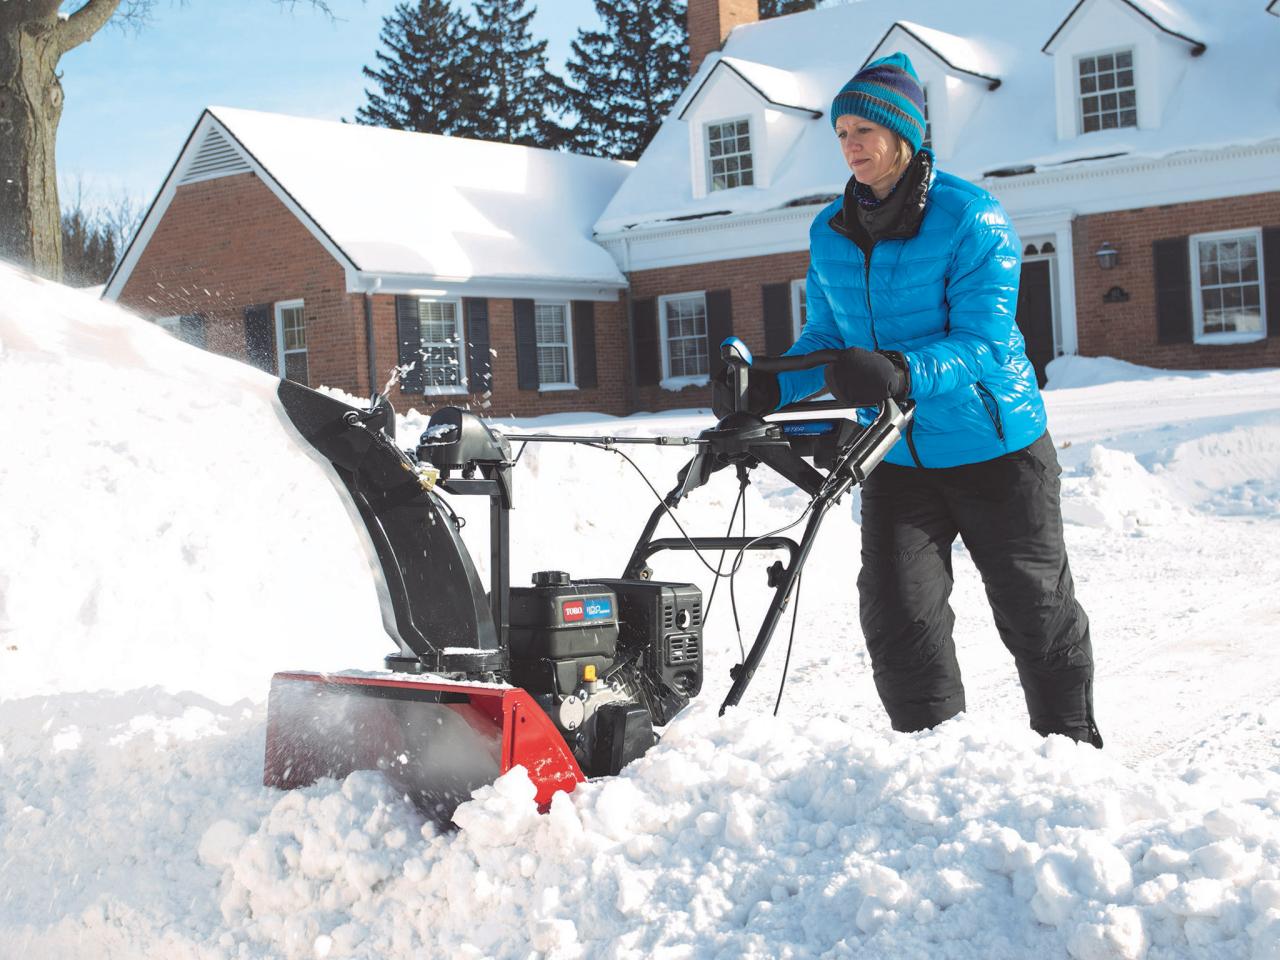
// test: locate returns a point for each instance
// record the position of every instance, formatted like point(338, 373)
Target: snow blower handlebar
point(847, 451)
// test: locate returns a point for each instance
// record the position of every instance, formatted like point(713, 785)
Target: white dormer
point(1116, 64)
point(743, 118)
point(956, 74)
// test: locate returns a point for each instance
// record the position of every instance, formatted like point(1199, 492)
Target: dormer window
point(729, 162)
point(1108, 95)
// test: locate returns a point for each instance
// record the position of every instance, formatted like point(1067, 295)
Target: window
point(170, 325)
point(1108, 97)
point(729, 154)
point(928, 127)
point(1227, 287)
point(798, 311)
point(291, 341)
point(684, 337)
point(443, 362)
point(555, 345)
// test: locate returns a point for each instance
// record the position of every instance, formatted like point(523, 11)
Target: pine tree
point(519, 93)
point(780, 8)
point(626, 76)
point(88, 249)
point(427, 74)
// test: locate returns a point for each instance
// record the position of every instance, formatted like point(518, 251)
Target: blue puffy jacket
point(945, 298)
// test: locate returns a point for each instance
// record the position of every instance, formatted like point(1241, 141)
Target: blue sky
point(132, 97)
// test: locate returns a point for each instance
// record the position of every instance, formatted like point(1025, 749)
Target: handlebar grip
point(738, 358)
point(799, 361)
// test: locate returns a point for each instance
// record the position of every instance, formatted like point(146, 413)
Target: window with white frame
point(1226, 279)
point(555, 345)
point(729, 154)
point(684, 337)
point(291, 341)
point(799, 313)
point(1108, 95)
point(443, 359)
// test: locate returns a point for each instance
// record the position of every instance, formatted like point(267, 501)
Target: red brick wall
point(1128, 330)
point(744, 280)
point(507, 399)
point(709, 22)
point(229, 243)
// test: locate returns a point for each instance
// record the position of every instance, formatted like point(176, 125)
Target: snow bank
point(744, 837)
point(161, 526)
point(171, 547)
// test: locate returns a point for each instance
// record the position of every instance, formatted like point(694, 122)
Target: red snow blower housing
point(565, 677)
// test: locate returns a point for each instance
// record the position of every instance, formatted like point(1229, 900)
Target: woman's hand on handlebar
point(863, 378)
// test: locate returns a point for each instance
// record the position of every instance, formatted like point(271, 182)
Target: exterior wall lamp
point(1108, 256)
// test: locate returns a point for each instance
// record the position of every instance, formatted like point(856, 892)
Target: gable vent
point(217, 157)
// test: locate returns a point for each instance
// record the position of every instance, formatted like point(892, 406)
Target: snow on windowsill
point(444, 391)
point(676, 384)
point(1228, 339)
point(556, 387)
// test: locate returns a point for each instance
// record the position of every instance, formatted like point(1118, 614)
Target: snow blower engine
point(565, 677)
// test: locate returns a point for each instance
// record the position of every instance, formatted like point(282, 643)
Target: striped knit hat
point(888, 92)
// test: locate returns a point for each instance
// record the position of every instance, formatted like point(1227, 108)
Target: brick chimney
point(710, 22)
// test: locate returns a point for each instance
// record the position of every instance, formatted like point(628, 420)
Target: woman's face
point(871, 151)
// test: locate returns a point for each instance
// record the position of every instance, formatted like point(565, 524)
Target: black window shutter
point(777, 318)
point(479, 359)
point(644, 337)
point(1271, 278)
point(1173, 290)
point(719, 324)
point(409, 338)
point(191, 330)
point(584, 342)
point(526, 345)
point(260, 337)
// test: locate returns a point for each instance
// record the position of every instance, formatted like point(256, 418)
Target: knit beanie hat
point(888, 92)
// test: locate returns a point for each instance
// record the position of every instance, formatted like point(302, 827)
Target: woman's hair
point(905, 155)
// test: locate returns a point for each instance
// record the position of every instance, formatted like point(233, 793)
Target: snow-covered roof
point(1162, 14)
point(418, 207)
point(1014, 126)
point(962, 54)
point(782, 89)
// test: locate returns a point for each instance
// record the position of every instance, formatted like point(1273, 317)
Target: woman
point(914, 276)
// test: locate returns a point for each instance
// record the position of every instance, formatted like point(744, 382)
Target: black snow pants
point(1008, 513)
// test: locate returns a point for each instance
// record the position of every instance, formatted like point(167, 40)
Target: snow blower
point(566, 677)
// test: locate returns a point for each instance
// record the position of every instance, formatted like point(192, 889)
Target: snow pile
point(1119, 493)
point(171, 547)
point(1071, 372)
point(162, 527)
point(744, 837)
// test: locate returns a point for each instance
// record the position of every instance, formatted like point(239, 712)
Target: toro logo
point(572, 610)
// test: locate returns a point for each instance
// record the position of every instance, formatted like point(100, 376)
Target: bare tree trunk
point(33, 39)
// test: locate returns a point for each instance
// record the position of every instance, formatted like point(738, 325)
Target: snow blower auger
point(565, 677)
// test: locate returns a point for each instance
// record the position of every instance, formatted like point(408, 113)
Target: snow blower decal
point(599, 608)
point(589, 608)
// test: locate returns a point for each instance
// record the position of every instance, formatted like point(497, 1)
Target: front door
point(1035, 314)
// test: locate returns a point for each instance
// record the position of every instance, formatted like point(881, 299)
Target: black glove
point(862, 378)
point(763, 392)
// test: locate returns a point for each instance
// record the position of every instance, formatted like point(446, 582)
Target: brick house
point(1139, 164)
point(331, 253)
point(1135, 144)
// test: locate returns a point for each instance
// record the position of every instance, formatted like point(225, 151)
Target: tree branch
point(84, 23)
